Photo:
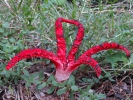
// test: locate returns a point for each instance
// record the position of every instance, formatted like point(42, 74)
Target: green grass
point(29, 24)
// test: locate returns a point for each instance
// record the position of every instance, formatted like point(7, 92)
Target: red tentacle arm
point(61, 44)
point(85, 60)
point(106, 46)
point(34, 53)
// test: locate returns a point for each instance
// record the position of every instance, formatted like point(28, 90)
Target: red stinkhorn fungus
point(64, 64)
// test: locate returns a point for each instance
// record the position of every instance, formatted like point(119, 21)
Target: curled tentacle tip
point(128, 55)
point(98, 73)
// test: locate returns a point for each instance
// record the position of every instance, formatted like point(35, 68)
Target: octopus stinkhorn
point(66, 64)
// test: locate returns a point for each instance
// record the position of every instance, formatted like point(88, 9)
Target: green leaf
point(1, 30)
point(100, 96)
point(27, 13)
point(86, 98)
point(71, 95)
point(13, 6)
point(51, 78)
point(41, 85)
point(2, 52)
point(19, 5)
point(125, 59)
point(34, 75)
point(63, 84)
point(30, 27)
point(1, 82)
point(6, 73)
point(61, 91)
point(36, 82)
point(111, 79)
point(96, 80)
point(74, 12)
point(26, 72)
point(46, 1)
point(51, 90)
point(114, 58)
point(5, 25)
point(61, 2)
point(12, 40)
point(90, 80)
point(71, 80)
point(15, 47)
point(89, 87)
point(55, 83)
point(26, 78)
point(41, 75)
point(131, 58)
point(74, 88)
point(28, 84)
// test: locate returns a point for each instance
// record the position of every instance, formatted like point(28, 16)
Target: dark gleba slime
point(66, 64)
